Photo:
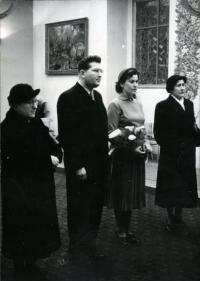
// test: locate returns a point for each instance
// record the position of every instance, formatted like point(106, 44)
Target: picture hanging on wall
point(66, 45)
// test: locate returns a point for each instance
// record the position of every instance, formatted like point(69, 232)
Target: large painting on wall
point(66, 45)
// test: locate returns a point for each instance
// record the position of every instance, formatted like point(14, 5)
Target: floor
point(162, 256)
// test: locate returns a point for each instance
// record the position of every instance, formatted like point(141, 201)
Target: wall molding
point(9, 10)
point(190, 9)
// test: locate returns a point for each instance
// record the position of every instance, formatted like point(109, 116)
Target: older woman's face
point(129, 87)
point(179, 89)
point(27, 109)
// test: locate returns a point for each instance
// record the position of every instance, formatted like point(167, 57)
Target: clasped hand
point(81, 174)
point(54, 160)
point(142, 151)
point(139, 151)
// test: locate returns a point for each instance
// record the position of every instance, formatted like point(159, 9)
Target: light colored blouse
point(123, 112)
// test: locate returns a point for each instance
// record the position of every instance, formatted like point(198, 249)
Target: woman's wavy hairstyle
point(123, 76)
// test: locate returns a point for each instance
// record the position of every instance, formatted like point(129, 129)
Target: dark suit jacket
point(174, 132)
point(82, 127)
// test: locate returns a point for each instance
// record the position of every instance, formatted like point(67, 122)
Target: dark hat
point(20, 93)
point(172, 80)
point(125, 71)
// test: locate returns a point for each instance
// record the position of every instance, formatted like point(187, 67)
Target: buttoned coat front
point(174, 132)
point(29, 214)
point(82, 127)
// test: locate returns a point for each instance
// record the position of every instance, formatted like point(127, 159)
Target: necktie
point(92, 97)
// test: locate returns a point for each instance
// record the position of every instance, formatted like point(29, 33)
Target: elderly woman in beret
point(174, 129)
point(128, 153)
point(29, 215)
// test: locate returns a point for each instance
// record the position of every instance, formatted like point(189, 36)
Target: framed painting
point(66, 45)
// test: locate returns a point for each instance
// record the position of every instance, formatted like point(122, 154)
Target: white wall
point(55, 11)
point(16, 49)
point(117, 49)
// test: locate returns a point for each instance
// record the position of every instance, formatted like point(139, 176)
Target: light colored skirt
point(126, 189)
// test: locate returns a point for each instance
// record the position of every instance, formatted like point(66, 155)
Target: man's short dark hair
point(85, 62)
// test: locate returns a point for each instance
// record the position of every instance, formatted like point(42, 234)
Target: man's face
point(92, 76)
point(27, 109)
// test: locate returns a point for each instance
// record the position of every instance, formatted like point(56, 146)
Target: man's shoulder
point(5, 125)
point(69, 92)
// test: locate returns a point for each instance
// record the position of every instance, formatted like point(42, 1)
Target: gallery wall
point(117, 47)
point(110, 36)
point(56, 11)
point(16, 49)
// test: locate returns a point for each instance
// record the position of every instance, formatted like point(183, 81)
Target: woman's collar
point(123, 96)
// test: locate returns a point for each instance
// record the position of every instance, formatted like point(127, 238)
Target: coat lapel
point(175, 105)
point(84, 100)
point(100, 107)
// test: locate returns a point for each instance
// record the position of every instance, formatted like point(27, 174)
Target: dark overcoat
point(174, 132)
point(29, 214)
point(82, 127)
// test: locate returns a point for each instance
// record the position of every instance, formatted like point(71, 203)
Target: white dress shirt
point(90, 93)
point(181, 101)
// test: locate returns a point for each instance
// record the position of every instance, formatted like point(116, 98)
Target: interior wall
point(117, 49)
point(16, 49)
point(56, 11)
point(110, 33)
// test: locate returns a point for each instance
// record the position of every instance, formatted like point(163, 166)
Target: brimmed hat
point(21, 93)
point(172, 80)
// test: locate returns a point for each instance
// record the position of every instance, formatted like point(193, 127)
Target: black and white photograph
point(100, 140)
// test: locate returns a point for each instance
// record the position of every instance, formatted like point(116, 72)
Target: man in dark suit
point(82, 126)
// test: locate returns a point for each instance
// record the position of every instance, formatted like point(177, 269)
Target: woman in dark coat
point(29, 215)
point(174, 129)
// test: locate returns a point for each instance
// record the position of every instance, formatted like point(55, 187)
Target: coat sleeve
point(113, 117)
point(114, 113)
point(55, 147)
point(69, 131)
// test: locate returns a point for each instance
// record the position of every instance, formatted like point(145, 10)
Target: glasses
point(32, 103)
point(98, 71)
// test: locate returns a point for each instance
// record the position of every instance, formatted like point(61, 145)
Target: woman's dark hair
point(85, 62)
point(172, 80)
point(123, 76)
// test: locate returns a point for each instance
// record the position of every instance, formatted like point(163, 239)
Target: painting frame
point(66, 43)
